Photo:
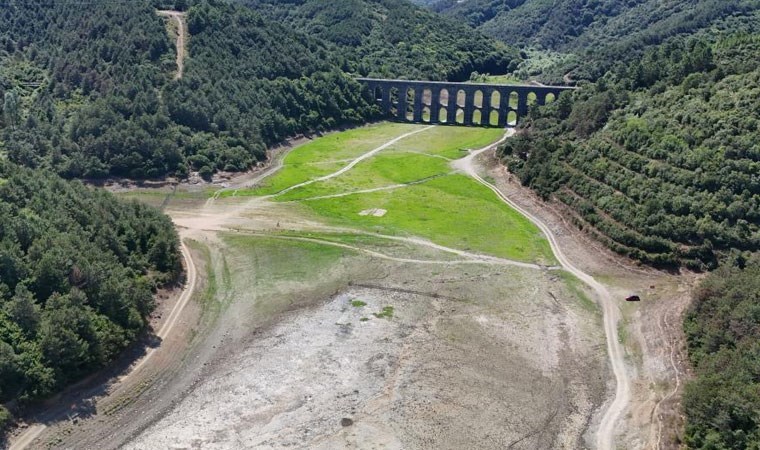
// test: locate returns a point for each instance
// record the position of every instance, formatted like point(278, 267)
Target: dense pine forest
point(87, 87)
point(385, 38)
point(723, 334)
point(78, 269)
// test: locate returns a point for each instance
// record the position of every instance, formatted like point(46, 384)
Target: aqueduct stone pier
point(470, 104)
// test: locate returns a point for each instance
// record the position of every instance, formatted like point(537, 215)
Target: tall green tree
point(11, 109)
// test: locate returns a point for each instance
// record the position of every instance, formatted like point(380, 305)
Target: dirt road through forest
point(606, 430)
point(179, 17)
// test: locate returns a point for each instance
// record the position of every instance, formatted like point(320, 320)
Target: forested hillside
point(391, 38)
point(658, 159)
point(587, 38)
point(657, 156)
point(87, 87)
point(77, 273)
point(723, 333)
point(80, 84)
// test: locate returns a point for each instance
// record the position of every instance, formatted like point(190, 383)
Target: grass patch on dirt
point(167, 196)
point(271, 275)
point(622, 332)
point(215, 295)
point(280, 259)
point(373, 242)
point(454, 210)
point(326, 155)
point(358, 303)
point(386, 313)
point(577, 288)
point(449, 209)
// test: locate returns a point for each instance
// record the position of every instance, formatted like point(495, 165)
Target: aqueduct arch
point(500, 105)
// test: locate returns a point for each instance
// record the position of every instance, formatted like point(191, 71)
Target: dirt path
point(179, 16)
point(171, 321)
point(26, 438)
point(470, 258)
point(353, 163)
point(606, 430)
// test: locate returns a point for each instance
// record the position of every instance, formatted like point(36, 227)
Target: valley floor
point(367, 293)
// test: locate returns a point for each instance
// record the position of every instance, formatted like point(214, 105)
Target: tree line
point(78, 269)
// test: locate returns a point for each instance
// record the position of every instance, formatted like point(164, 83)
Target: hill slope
point(591, 35)
point(77, 274)
point(659, 157)
point(392, 38)
point(87, 88)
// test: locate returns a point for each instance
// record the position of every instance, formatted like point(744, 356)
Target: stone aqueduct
point(498, 105)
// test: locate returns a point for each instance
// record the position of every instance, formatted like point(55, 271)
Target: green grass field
point(453, 210)
point(418, 157)
point(447, 208)
point(326, 155)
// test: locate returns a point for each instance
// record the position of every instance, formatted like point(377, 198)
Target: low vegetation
point(78, 269)
point(723, 335)
point(386, 313)
point(482, 223)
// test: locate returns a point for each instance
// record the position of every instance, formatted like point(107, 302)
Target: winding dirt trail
point(178, 16)
point(28, 437)
point(611, 313)
point(171, 321)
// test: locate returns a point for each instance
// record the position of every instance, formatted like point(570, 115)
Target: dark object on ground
point(633, 298)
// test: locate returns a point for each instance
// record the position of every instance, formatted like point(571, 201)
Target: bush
point(6, 419)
